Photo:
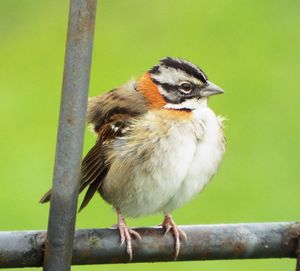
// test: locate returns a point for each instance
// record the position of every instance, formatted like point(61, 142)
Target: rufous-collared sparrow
point(158, 145)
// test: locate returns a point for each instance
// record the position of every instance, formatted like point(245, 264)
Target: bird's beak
point(210, 89)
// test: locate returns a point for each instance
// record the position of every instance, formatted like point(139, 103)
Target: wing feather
point(110, 116)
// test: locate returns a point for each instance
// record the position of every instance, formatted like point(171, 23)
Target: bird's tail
point(46, 197)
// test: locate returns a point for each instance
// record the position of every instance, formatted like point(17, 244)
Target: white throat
point(192, 104)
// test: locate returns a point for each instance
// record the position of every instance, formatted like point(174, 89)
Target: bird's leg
point(169, 224)
point(125, 234)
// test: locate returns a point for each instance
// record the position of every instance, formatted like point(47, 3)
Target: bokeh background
point(250, 48)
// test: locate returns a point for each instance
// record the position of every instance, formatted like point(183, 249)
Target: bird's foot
point(179, 234)
point(125, 235)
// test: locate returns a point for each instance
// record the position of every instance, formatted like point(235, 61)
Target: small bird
point(158, 144)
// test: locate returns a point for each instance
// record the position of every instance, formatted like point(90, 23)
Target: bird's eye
point(186, 88)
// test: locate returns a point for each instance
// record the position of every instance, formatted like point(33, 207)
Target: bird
point(158, 145)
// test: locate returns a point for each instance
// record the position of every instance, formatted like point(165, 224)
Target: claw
point(125, 235)
point(169, 224)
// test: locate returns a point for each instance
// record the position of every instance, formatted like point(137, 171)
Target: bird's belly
point(163, 172)
point(202, 169)
point(204, 165)
point(151, 183)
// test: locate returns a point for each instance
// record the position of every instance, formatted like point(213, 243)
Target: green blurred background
point(250, 48)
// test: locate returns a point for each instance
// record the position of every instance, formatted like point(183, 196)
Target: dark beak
point(210, 89)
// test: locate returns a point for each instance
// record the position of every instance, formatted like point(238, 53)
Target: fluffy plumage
point(163, 161)
point(158, 143)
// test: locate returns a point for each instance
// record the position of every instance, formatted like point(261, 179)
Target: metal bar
point(205, 242)
point(64, 193)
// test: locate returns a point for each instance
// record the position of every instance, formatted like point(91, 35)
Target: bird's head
point(176, 84)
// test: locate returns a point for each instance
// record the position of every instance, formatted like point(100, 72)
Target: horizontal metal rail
point(205, 242)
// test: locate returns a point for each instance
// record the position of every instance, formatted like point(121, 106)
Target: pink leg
point(169, 224)
point(125, 234)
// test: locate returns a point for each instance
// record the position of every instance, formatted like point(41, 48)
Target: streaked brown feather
point(109, 114)
point(94, 166)
point(93, 188)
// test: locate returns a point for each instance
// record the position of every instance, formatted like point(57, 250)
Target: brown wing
point(109, 115)
point(94, 166)
point(124, 102)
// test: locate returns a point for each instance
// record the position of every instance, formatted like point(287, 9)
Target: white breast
point(206, 160)
point(161, 173)
point(146, 184)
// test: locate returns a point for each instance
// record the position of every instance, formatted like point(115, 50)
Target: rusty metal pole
point(58, 252)
point(204, 242)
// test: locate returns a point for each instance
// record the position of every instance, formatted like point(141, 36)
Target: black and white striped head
point(181, 83)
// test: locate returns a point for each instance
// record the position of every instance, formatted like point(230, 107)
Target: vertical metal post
point(64, 195)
